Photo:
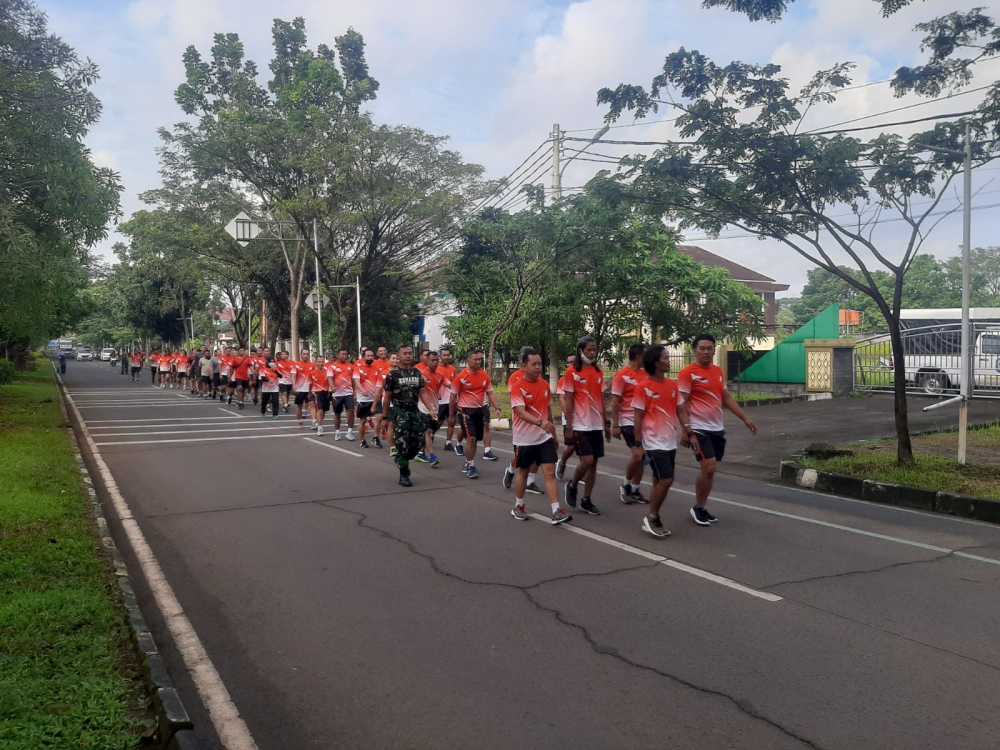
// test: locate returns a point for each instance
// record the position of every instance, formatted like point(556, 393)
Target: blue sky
point(494, 76)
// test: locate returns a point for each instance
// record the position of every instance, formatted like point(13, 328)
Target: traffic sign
point(242, 228)
point(311, 299)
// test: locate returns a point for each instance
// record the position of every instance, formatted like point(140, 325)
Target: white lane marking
point(158, 404)
point(721, 580)
point(334, 447)
point(231, 413)
point(219, 421)
point(229, 725)
point(195, 440)
point(883, 506)
point(683, 567)
point(817, 522)
point(154, 419)
point(200, 432)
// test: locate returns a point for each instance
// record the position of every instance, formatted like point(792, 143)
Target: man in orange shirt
point(430, 368)
point(446, 367)
point(302, 384)
point(240, 377)
point(623, 388)
point(586, 424)
point(135, 365)
point(657, 429)
point(471, 389)
point(341, 373)
point(510, 471)
point(704, 395)
point(534, 435)
point(568, 449)
point(367, 385)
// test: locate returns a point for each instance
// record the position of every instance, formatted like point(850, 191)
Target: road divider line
point(334, 447)
point(219, 422)
point(229, 725)
point(154, 404)
point(674, 564)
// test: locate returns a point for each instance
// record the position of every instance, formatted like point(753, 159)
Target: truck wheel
point(933, 383)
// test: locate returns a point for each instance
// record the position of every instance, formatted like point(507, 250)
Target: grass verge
point(68, 675)
point(936, 468)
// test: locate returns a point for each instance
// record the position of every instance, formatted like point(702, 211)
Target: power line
point(505, 191)
point(900, 109)
point(517, 191)
point(884, 221)
point(504, 182)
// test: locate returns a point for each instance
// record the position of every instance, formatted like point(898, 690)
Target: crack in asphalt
point(596, 646)
point(870, 571)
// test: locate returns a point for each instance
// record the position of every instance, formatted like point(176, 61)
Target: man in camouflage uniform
point(404, 388)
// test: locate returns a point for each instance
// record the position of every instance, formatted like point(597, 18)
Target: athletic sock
point(531, 478)
point(554, 506)
point(518, 501)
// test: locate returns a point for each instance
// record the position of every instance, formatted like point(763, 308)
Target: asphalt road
point(345, 612)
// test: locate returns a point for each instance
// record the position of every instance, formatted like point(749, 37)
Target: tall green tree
point(54, 201)
point(744, 160)
point(279, 144)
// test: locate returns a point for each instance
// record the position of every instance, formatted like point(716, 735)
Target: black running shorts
point(531, 455)
point(340, 403)
point(444, 412)
point(284, 387)
point(301, 397)
point(365, 409)
point(322, 400)
point(475, 421)
point(628, 435)
point(589, 443)
point(206, 379)
point(711, 444)
point(662, 464)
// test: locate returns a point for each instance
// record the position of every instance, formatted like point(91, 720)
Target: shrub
point(6, 371)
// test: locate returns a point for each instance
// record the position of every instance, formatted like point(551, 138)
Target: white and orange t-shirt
point(369, 380)
point(343, 378)
point(183, 363)
point(657, 400)
point(285, 368)
point(318, 375)
point(432, 382)
point(587, 387)
point(447, 373)
point(164, 362)
point(702, 389)
point(472, 388)
point(623, 385)
point(225, 365)
point(535, 398)
point(300, 376)
point(269, 378)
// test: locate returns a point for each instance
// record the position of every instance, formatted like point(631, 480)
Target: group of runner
point(407, 402)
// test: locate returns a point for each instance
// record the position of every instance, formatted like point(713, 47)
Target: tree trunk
point(553, 364)
point(904, 448)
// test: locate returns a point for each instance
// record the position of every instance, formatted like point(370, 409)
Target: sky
point(494, 77)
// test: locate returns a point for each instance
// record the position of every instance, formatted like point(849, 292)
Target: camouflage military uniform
point(403, 386)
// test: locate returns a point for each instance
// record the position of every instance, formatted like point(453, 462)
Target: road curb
point(174, 728)
point(946, 503)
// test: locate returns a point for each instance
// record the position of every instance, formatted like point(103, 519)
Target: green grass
point(936, 468)
point(68, 678)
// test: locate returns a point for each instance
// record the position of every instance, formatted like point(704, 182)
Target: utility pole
point(556, 167)
point(967, 375)
point(319, 295)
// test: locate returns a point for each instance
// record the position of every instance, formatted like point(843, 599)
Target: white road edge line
point(158, 404)
point(682, 567)
point(229, 725)
point(817, 522)
point(334, 447)
point(219, 422)
point(154, 419)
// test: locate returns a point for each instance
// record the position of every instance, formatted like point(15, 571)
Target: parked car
point(85, 354)
point(107, 354)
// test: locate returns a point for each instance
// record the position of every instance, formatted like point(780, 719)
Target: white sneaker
point(351, 435)
point(319, 430)
point(337, 435)
point(314, 427)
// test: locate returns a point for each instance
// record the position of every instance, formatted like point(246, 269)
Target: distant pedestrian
point(62, 363)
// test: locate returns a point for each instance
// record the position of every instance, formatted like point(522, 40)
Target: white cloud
point(495, 75)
